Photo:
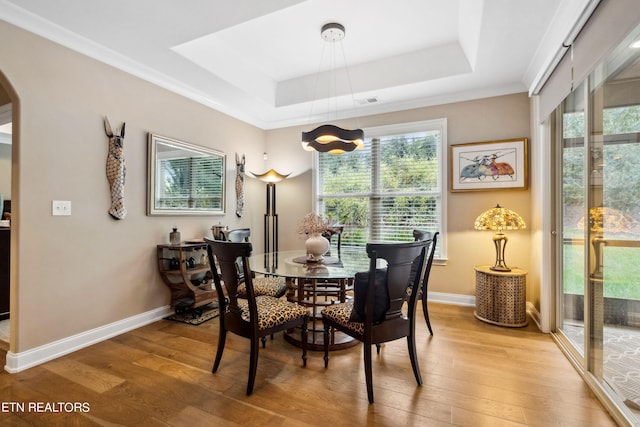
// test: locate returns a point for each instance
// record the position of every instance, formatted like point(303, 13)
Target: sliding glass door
point(570, 133)
point(598, 150)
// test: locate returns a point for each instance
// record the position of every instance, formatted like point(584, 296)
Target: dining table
point(315, 285)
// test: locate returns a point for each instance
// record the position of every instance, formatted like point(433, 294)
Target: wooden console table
point(184, 268)
point(501, 297)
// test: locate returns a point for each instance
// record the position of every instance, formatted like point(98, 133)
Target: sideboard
point(184, 268)
point(5, 252)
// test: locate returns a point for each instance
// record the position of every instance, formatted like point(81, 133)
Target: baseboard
point(534, 314)
point(470, 301)
point(453, 299)
point(17, 362)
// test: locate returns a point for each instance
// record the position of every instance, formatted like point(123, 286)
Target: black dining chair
point(334, 230)
point(255, 316)
point(420, 235)
point(262, 285)
point(375, 315)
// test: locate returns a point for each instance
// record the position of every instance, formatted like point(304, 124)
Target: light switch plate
point(61, 207)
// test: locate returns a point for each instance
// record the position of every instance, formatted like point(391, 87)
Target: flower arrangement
point(313, 223)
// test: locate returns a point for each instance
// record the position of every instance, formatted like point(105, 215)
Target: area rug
point(196, 316)
point(621, 360)
point(4, 330)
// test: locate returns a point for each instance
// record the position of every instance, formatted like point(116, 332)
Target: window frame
point(408, 128)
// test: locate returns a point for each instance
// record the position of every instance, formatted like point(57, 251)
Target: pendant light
point(330, 138)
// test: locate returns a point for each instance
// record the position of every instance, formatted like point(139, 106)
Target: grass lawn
point(621, 271)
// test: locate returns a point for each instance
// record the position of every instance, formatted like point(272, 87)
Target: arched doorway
point(8, 188)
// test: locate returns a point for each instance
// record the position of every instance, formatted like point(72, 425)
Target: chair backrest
point(224, 254)
point(429, 261)
point(238, 235)
point(332, 231)
point(421, 235)
point(399, 258)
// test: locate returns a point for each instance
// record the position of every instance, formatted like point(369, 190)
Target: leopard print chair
point(263, 285)
point(255, 316)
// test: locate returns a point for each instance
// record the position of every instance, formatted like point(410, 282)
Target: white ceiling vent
point(367, 101)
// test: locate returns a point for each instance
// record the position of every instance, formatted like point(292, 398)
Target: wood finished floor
point(474, 374)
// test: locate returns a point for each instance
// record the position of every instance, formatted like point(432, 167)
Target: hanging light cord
point(353, 99)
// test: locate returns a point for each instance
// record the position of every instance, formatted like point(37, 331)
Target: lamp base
point(500, 268)
point(500, 242)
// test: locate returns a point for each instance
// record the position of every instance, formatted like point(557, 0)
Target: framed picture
point(490, 165)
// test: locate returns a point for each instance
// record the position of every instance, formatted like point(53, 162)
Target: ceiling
point(265, 63)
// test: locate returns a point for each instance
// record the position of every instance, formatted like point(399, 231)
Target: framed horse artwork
point(490, 165)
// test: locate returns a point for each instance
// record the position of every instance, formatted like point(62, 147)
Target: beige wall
point(72, 274)
point(75, 273)
point(474, 121)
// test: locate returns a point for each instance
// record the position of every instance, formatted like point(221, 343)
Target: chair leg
point(368, 372)
point(327, 337)
point(264, 341)
point(377, 348)
point(304, 334)
point(411, 344)
point(425, 311)
point(221, 340)
point(253, 364)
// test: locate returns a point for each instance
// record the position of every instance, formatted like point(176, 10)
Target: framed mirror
point(184, 179)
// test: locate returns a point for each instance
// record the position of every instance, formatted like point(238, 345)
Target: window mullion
point(375, 202)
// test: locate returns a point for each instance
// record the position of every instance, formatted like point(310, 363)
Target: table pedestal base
point(315, 340)
point(315, 294)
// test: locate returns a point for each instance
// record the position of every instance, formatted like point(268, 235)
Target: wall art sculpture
point(116, 170)
point(239, 186)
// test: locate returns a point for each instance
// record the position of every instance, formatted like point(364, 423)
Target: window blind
point(386, 190)
point(190, 183)
point(606, 27)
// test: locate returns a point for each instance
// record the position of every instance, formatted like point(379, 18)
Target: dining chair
point(375, 315)
point(255, 316)
point(330, 290)
point(334, 230)
point(263, 285)
point(425, 235)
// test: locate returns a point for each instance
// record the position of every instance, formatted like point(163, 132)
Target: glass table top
point(292, 264)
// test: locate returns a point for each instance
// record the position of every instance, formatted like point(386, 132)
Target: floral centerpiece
point(313, 225)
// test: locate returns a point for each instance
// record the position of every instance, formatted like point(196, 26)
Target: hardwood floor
point(474, 374)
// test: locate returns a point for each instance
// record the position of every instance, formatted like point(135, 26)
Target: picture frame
point(183, 178)
point(489, 165)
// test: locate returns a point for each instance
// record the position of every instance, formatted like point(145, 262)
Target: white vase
point(316, 246)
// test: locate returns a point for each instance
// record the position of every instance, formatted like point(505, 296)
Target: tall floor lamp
point(270, 216)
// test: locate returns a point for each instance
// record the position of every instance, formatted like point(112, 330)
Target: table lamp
point(603, 219)
point(499, 219)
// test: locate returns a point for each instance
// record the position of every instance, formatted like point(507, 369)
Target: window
point(190, 182)
point(391, 187)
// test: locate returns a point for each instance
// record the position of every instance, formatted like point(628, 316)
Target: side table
point(501, 296)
